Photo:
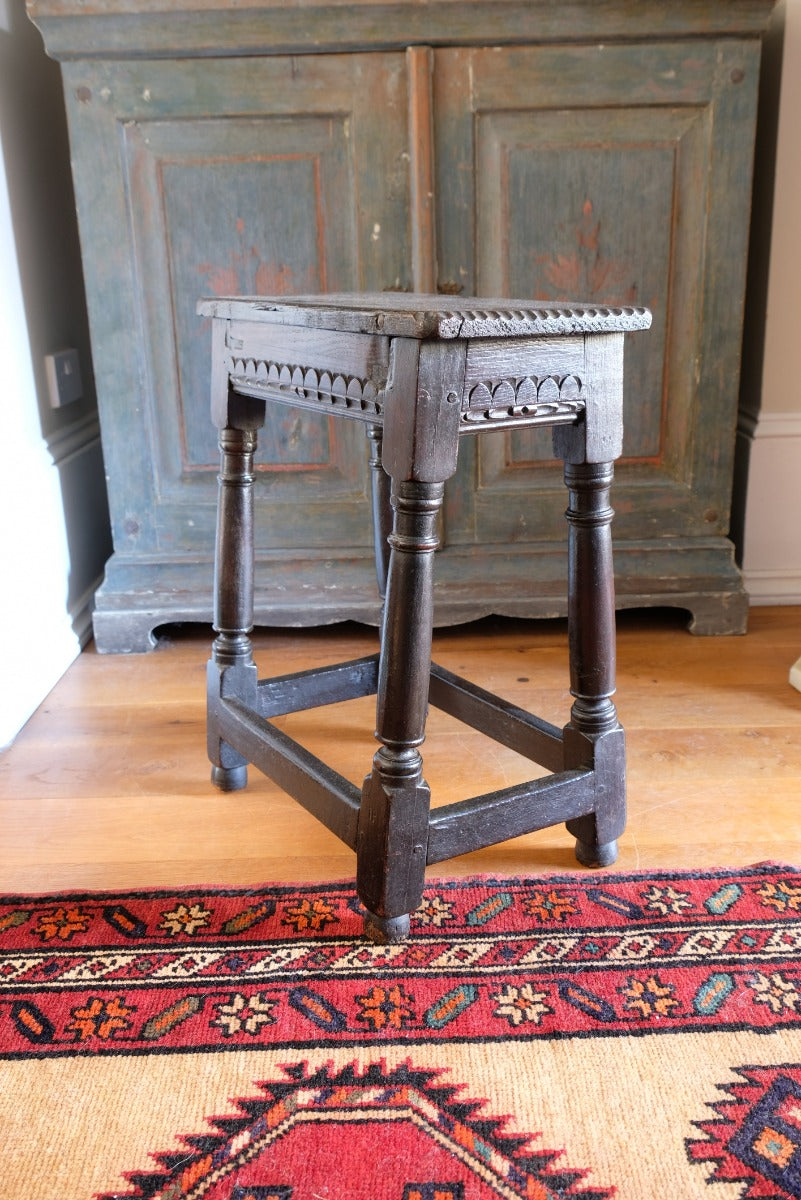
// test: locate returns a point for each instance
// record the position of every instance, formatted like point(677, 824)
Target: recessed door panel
point(238, 177)
point(597, 174)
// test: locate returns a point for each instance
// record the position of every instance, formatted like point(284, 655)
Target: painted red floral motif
point(246, 273)
point(587, 271)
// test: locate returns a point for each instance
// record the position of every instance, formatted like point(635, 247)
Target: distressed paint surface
point(610, 169)
point(218, 149)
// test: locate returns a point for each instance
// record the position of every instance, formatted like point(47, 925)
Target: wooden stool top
point(427, 368)
point(411, 315)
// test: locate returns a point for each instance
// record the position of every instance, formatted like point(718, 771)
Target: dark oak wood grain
point(423, 374)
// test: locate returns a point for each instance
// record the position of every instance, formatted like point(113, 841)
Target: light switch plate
point(64, 382)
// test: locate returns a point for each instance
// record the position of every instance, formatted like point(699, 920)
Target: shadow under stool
point(421, 373)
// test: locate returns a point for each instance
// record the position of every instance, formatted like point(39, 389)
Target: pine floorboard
point(107, 786)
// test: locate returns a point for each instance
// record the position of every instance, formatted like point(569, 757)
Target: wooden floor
point(108, 784)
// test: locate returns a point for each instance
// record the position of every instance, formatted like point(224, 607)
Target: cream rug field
point(578, 1035)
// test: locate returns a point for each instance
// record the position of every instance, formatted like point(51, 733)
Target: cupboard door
point(234, 176)
point(613, 174)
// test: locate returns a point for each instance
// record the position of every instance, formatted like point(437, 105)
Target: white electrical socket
point(64, 382)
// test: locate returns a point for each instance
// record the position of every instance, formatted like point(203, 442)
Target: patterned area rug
point(578, 1035)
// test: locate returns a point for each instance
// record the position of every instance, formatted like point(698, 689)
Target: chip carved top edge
point(427, 316)
point(539, 319)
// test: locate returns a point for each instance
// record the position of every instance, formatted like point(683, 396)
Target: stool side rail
point(513, 727)
point(501, 420)
point(318, 686)
point(523, 808)
point(322, 791)
point(357, 407)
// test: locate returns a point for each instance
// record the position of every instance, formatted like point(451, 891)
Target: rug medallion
point(580, 1035)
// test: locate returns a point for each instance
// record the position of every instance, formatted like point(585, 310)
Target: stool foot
point(229, 779)
point(591, 855)
point(386, 930)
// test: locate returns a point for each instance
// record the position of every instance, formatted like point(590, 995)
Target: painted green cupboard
point(594, 152)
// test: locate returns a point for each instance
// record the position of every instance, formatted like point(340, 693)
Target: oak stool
point(421, 373)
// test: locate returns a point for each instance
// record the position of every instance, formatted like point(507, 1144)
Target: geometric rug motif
point(287, 1144)
point(487, 959)
point(293, 1060)
point(756, 1139)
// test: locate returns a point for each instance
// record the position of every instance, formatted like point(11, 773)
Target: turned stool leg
point(593, 737)
point(393, 822)
point(232, 671)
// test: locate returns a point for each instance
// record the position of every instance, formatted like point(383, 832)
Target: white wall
point(772, 558)
point(53, 511)
point(772, 541)
point(33, 614)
